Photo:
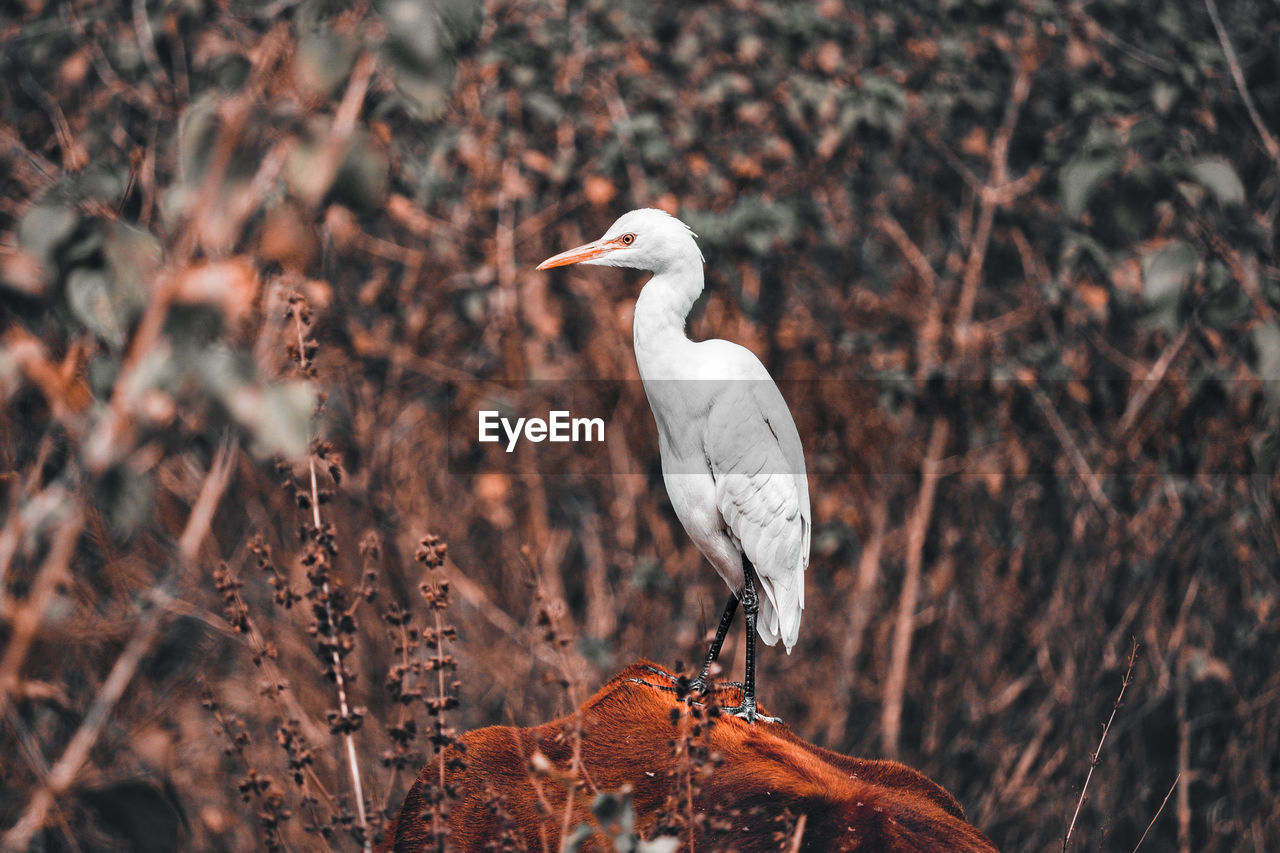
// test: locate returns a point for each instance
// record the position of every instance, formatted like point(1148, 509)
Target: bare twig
point(1149, 384)
point(995, 193)
point(868, 577)
point(1093, 28)
point(147, 41)
point(895, 232)
point(1233, 62)
point(30, 613)
point(31, 752)
point(1095, 757)
point(74, 155)
point(1183, 803)
point(1078, 461)
point(99, 57)
point(896, 682)
point(931, 329)
point(335, 144)
point(1157, 814)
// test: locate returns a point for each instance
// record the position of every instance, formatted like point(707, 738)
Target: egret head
point(646, 239)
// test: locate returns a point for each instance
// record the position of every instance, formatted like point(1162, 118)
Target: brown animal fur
point(850, 804)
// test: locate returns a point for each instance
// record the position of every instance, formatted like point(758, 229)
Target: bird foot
point(700, 685)
point(664, 688)
point(747, 711)
point(680, 685)
point(660, 672)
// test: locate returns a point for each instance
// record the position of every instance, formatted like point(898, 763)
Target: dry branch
point(1237, 74)
point(904, 625)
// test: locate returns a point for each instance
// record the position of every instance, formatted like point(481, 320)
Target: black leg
point(699, 684)
point(750, 607)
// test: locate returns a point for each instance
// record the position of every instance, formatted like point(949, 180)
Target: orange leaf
point(1094, 297)
point(599, 191)
point(231, 285)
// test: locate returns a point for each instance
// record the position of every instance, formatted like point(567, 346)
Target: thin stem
point(1154, 817)
point(1233, 62)
point(344, 709)
point(1094, 758)
point(436, 829)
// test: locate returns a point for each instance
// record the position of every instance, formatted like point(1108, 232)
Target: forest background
point(1013, 263)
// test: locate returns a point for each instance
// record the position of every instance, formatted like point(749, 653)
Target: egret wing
point(754, 453)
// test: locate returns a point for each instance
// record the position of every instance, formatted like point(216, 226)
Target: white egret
point(731, 455)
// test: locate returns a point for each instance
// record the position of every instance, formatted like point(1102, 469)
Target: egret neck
point(663, 349)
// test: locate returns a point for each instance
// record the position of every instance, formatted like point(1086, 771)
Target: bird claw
point(661, 672)
point(747, 711)
point(662, 687)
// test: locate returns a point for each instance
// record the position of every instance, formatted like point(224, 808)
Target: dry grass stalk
point(1156, 816)
point(1237, 74)
point(1095, 757)
point(322, 549)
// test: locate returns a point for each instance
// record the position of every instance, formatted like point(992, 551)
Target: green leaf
point(302, 171)
point(278, 416)
point(661, 844)
point(199, 133)
point(1226, 303)
point(420, 49)
point(286, 426)
point(102, 374)
point(1220, 178)
point(1080, 178)
point(323, 60)
point(125, 496)
point(1266, 342)
point(90, 299)
point(1163, 95)
point(46, 226)
point(573, 843)
point(156, 369)
point(1166, 273)
point(426, 93)
point(134, 256)
point(417, 38)
point(361, 181)
point(608, 807)
point(1164, 276)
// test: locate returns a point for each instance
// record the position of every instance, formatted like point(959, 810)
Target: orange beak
point(582, 253)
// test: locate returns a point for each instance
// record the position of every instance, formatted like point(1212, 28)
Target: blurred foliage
point(1050, 226)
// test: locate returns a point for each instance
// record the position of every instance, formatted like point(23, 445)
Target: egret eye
point(628, 239)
